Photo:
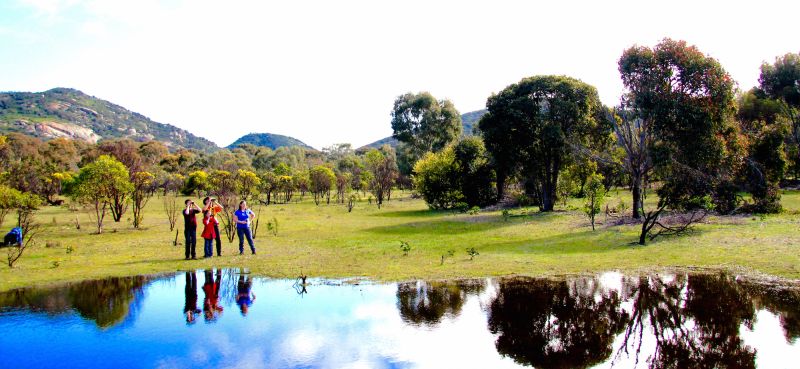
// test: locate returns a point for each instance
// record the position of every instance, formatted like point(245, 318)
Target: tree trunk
point(591, 210)
point(100, 215)
point(648, 223)
point(643, 234)
point(636, 188)
point(548, 197)
point(549, 186)
point(501, 185)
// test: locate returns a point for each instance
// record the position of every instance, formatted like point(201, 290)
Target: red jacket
point(209, 232)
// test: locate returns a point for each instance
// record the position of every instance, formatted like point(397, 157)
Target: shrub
point(458, 174)
point(434, 175)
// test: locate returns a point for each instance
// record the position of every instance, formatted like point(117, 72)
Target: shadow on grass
point(439, 227)
point(579, 242)
point(582, 242)
point(450, 223)
point(176, 259)
point(410, 213)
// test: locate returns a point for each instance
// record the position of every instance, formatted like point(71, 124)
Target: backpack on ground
point(13, 238)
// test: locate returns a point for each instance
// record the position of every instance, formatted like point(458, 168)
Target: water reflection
point(244, 294)
point(426, 303)
point(106, 302)
point(555, 324)
point(610, 320)
point(782, 302)
point(190, 309)
point(211, 307)
point(695, 321)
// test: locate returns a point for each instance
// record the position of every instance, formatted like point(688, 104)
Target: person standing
point(243, 218)
point(209, 233)
point(190, 227)
point(211, 205)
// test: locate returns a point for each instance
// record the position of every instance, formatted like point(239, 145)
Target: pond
point(231, 319)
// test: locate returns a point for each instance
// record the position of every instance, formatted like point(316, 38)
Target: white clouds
point(328, 72)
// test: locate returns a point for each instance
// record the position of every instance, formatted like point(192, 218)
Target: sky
point(328, 72)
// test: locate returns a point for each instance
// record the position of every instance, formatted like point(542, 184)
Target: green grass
point(327, 241)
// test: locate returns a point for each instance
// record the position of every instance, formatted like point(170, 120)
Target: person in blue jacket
point(244, 216)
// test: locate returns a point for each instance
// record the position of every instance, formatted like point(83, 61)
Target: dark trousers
point(190, 234)
point(219, 242)
point(208, 250)
point(245, 232)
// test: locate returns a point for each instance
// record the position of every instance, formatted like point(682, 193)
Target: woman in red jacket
point(209, 233)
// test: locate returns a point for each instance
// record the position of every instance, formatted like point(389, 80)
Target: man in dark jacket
point(190, 227)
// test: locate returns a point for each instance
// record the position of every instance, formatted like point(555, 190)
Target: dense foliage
point(469, 126)
point(457, 177)
point(534, 125)
point(424, 123)
point(688, 98)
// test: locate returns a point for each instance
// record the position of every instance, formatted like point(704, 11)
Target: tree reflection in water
point(426, 303)
point(695, 321)
point(107, 302)
point(555, 324)
point(783, 302)
point(683, 321)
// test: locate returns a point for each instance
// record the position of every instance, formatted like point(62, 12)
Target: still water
point(230, 319)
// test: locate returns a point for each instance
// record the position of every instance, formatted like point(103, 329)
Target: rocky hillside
point(64, 112)
point(468, 120)
point(270, 140)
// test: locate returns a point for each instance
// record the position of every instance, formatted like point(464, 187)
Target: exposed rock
point(88, 111)
point(49, 129)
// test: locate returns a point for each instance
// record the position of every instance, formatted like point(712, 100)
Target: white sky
point(328, 71)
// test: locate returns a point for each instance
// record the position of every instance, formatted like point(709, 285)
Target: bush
point(434, 179)
point(455, 176)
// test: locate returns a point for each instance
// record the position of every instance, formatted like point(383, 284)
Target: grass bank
point(327, 241)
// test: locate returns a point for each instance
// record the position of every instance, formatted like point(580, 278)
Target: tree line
point(682, 130)
point(116, 178)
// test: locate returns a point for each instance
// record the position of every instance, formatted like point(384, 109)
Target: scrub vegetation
point(327, 241)
point(686, 171)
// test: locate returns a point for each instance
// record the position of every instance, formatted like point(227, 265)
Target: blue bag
point(14, 237)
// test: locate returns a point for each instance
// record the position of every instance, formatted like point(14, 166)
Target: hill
point(65, 112)
point(271, 140)
point(468, 121)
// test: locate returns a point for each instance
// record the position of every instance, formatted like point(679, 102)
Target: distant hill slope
point(65, 112)
point(468, 121)
point(271, 140)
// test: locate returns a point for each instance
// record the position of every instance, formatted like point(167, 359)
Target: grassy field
point(327, 241)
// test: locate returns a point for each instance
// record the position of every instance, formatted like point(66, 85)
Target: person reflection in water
point(211, 308)
point(190, 309)
point(244, 296)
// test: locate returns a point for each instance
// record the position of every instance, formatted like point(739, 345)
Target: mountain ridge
point(71, 113)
